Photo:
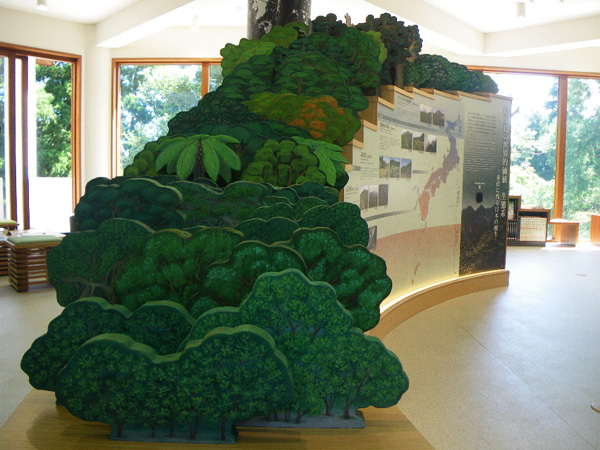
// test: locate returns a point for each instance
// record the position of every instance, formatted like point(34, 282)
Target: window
point(4, 173)
point(582, 153)
point(40, 137)
point(533, 138)
point(149, 93)
point(555, 140)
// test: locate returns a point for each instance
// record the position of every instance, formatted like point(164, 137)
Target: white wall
point(33, 30)
point(181, 42)
point(96, 109)
point(578, 60)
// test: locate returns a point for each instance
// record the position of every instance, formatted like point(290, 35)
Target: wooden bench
point(565, 231)
point(4, 257)
point(7, 225)
point(27, 259)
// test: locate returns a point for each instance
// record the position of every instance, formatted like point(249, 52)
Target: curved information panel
point(429, 171)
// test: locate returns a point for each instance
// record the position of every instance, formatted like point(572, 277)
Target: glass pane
point(4, 207)
point(533, 138)
point(49, 146)
point(53, 124)
point(216, 77)
point(150, 96)
point(582, 159)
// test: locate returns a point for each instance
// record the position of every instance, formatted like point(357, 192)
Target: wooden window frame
point(116, 92)
point(14, 52)
point(561, 131)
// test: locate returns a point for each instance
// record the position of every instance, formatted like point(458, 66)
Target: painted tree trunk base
point(204, 435)
point(336, 420)
point(212, 435)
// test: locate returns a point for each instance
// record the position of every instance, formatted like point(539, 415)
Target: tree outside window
point(152, 94)
point(534, 130)
point(533, 138)
point(53, 119)
point(582, 158)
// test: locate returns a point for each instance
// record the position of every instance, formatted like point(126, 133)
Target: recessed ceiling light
point(42, 4)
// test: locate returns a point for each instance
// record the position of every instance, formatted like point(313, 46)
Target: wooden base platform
point(39, 424)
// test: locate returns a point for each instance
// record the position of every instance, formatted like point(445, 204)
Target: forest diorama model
point(221, 279)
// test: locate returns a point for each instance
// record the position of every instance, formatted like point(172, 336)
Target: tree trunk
point(199, 170)
point(265, 14)
point(223, 429)
point(399, 79)
point(346, 414)
point(120, 424)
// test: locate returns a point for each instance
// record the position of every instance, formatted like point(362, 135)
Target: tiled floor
point(513, 368)
point(23, 318)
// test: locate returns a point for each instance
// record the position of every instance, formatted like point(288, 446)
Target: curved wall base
point(401, 309)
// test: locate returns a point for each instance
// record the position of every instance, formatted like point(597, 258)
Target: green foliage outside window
point(150, 96)
point(534, 154)
point(3, 176)
point(582, 160)
point(53, 120)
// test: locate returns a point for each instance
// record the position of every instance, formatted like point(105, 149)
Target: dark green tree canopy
point(268, 231)
point(171, 265)
point(54, 120)
point(357, 275)
point(229, 376)
point(334, 366)
point(161, 325)
point(204, 205)
point(343, 218)
point(436, 72)
point(86, 263)
point(402, 43)
point(229, 282)
point(140, 199)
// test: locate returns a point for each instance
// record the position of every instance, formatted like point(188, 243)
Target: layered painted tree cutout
point(228, 376)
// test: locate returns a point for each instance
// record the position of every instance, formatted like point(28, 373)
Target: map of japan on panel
point(407, 181)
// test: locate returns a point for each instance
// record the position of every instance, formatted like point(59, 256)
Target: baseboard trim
point(406, 306)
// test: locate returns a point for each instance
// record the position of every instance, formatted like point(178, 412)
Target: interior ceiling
point(461, 26)
point(490, 16)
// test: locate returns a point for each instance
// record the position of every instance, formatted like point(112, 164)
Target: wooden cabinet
point(565, 231)
point(512, 213)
